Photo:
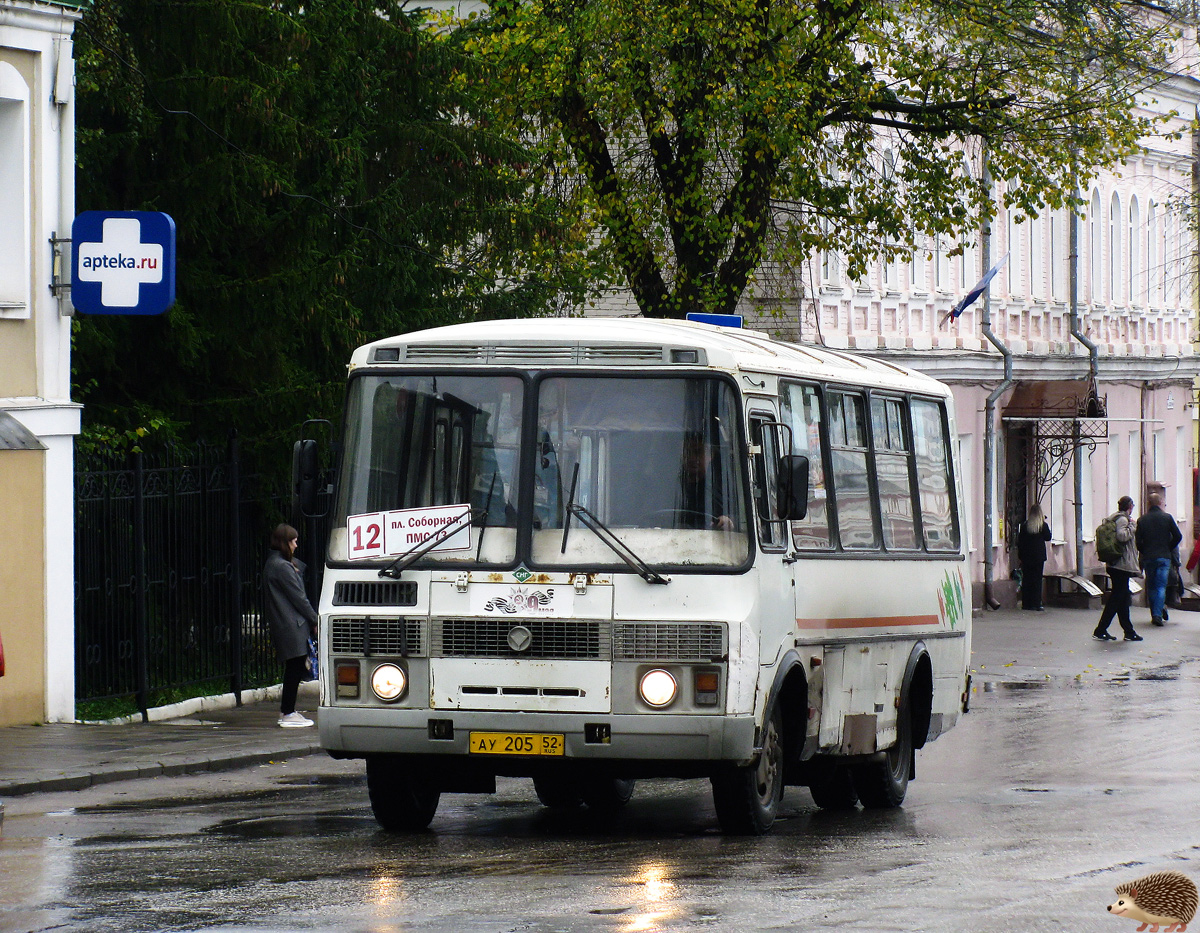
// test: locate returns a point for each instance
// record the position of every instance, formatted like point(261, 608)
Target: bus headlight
point(389, 682)
point(658, 688)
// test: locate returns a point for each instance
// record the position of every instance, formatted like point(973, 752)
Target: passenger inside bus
point(702, 499)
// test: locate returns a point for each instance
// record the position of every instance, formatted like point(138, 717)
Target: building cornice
point(988, 367)
point(56, 18)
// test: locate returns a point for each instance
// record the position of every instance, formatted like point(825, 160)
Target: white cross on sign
point(121, 262)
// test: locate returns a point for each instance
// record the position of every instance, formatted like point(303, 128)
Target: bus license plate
point(517, 743)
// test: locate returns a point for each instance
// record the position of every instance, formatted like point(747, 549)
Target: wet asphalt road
point(1023, 818)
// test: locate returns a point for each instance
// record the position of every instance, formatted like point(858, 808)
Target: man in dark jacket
point(1157, 538)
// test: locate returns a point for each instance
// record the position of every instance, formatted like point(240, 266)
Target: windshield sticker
point(509, 601)
point(390, 534)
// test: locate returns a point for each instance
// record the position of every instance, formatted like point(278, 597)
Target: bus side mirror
point(304, 478)
point(793, 494)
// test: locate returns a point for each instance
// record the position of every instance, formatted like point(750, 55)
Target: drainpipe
point(989, 415)
point(1093, 366)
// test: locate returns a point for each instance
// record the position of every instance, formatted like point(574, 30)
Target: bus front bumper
point(647, 737)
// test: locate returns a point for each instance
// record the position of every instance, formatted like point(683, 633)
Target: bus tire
point(607, 794)
point(747, 798)
point(882, 785)
point(402, 801)
point(832, 785)
point(558, 792)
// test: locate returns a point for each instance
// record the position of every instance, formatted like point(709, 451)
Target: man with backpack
point(1116, 546)
point(1158, 538)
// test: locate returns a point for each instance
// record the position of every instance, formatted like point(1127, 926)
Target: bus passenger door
point(776, 601)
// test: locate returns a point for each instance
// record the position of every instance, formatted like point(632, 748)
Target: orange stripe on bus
point(866, 622)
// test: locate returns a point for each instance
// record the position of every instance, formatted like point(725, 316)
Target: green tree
point(705, 138)
point(331, 183)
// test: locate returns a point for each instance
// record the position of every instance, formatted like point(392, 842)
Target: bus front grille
point(373, 636)
point(549, 639)
point(669, 641)
point(371, 593)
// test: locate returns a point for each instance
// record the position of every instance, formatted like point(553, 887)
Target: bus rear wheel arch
point(883, 783)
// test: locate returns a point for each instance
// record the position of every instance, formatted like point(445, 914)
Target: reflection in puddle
point(659, 893)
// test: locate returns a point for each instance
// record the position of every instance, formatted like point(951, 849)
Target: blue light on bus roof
point(721, 320)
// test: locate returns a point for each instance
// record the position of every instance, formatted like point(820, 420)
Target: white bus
point(591, 551)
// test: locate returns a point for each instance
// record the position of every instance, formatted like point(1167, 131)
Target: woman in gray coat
point(1119, 574)
point(291, 617)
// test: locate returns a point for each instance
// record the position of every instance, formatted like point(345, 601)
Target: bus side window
point(934, 482)
point(801, 407)
point(893, 456)
point(851, 478)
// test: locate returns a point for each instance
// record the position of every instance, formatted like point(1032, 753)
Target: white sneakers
point(295, 721)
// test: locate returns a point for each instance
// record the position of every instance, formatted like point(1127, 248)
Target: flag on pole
point(980, 287)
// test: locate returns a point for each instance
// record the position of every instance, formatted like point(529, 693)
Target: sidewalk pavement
point(72, 756)
point(1008, 646)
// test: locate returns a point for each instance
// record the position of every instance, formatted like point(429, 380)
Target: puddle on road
point(322, 780)
point(286, 827)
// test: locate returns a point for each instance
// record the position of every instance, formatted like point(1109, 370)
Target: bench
point(1102, 580)
point(1069, 590)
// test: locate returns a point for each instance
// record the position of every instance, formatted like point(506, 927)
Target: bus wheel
point(402, 801)
point(883, 784)
point(607, 794)
point(832, 785)
point(557, 792)
point(747, 798)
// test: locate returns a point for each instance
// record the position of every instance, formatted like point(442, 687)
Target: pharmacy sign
point(123, 262)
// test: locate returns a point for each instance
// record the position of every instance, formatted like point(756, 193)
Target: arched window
point(1014, 253)
point(891, 268)
point(1060, 252)
point(968, 271)
point(1095, 250)
point(1170, 271)
point(1037, 260)
point(1153, 272)
point(1114, 250)
point(14, 193)
point(1133, 286)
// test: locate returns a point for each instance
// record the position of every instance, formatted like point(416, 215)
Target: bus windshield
point(421, 441)
point(655, 460)
point(644, 456)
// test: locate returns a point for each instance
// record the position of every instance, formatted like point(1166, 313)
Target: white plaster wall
point(44, 29)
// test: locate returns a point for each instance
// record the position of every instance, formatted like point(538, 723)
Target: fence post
point(140, 606)
point(235, 550)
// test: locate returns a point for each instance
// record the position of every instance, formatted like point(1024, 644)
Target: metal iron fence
point(169, 550)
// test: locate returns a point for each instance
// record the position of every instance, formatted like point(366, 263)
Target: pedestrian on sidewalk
point(1120, 572)
point(1031, 550)
point(291, 617)
point(1157, 538)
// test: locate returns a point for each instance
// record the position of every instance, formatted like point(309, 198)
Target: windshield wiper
point(570, 505)
point(416, 552)
point(618, 546)
point(487, 510)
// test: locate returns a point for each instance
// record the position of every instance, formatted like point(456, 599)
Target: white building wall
point(38, 37)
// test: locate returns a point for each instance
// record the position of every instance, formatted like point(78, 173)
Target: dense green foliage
point(330, 184)
point(706, 141)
